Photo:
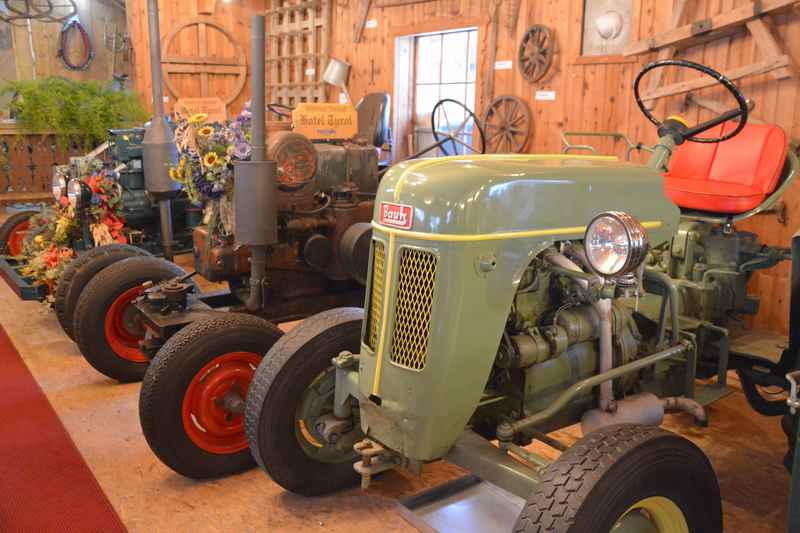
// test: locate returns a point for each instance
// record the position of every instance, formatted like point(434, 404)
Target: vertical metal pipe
point(153, 28)
point(257, 89)
point(165, 213)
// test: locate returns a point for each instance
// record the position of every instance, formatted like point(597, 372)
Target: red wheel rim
point(206, 420)
point(17, 237)
point(122, 340)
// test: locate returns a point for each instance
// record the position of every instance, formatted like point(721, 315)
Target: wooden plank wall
point(234, 16)
point(95, 16)
point(589, 95)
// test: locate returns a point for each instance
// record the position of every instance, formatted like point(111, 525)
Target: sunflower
point(211, 159)
point(198, 118)
point(205, 131)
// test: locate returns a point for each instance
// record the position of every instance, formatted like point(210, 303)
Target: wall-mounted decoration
point(298, 49)
point(507, 125)
point(536, 52)
point(203, 64)
point(606, 26)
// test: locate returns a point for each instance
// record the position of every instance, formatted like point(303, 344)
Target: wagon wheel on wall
point(203, 63)
point(535, 52)
point(507, 124)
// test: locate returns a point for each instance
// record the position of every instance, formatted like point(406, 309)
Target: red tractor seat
point(730, 177)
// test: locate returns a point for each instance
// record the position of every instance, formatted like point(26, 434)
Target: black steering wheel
point(452, 133)
point(283, 111)
point(691, 133)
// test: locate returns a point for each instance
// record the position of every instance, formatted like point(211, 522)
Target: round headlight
point(75, 192)
point(59, 187)
point(616, 243)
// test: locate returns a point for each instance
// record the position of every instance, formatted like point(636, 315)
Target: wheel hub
point(16, 239)
point(655, 514)
point(214, 403)
point(122, 327)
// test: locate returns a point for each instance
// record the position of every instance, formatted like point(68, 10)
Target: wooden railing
point(26, 164)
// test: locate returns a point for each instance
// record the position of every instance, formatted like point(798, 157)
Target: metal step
point(463, 504)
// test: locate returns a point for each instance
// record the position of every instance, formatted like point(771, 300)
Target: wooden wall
point(233, 16)
point(96, 16)
point(590, 95)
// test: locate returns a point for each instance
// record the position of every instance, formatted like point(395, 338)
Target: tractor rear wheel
point(192, 402)
point(626, 478)
point(13, 231)
point(106, 327)
point(293, 387)
point(80, 272)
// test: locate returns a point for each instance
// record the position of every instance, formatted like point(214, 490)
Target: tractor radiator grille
point(376, 296)
point(413, 302)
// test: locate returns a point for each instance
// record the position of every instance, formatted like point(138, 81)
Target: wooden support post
point(487, 92)
point(665, 53)
point(768, 45)
point(361, 20)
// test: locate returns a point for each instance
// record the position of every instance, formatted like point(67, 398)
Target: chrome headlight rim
point(638, 243)
point(75, 192)
point(58, 186)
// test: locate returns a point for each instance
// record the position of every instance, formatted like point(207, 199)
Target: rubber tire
point(79, 272)
point(167, 380)
point(94, 302)
point(8, 226)
point(597, 480)
point(275, 392)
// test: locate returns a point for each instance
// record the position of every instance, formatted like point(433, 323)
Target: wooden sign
point(211, 106)
point(325, 121)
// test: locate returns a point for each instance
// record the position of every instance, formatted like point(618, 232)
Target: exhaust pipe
point(255, 193)
point(159, 152)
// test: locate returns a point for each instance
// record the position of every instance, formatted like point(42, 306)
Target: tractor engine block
point(550, 342)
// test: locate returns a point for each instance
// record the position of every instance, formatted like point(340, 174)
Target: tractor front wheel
point(106, 326)
point(80, 272)
point(292, 389)
point(193, 394)
point(13, 232)
point(626, 478)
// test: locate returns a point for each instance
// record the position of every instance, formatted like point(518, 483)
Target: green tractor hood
point(499, 194)
point(452, 238)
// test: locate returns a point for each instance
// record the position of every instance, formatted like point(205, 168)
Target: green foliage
point(74, 111)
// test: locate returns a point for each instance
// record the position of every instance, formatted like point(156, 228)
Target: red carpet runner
point(45, 485)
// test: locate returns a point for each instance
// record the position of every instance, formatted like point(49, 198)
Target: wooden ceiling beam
point(722, 21)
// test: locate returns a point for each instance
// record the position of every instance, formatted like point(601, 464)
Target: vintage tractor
point(140, 212)
point(300, 245)
point(512, 295)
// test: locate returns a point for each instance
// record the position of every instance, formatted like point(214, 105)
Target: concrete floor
point(102, 418)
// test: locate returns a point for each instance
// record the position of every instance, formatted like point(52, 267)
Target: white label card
point(310, 72)
point(503, 65)
point(371, 23)
point(549, 96)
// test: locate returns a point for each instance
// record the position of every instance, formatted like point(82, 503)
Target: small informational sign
point(505, 64)
point(211, 106)
point(325, 121)
point(396, 215)
point(310, 72)
point(371, 23)
point(547, 96)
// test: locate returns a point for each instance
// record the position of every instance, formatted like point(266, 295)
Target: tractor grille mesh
point(376, 296)
point(413, 301)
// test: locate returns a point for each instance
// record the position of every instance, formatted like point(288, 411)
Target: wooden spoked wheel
point(507, 123)
point(536, 52)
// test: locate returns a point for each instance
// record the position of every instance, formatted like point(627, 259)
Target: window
point(444, 67)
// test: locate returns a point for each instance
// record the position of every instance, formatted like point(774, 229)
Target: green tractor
point(513, 295)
